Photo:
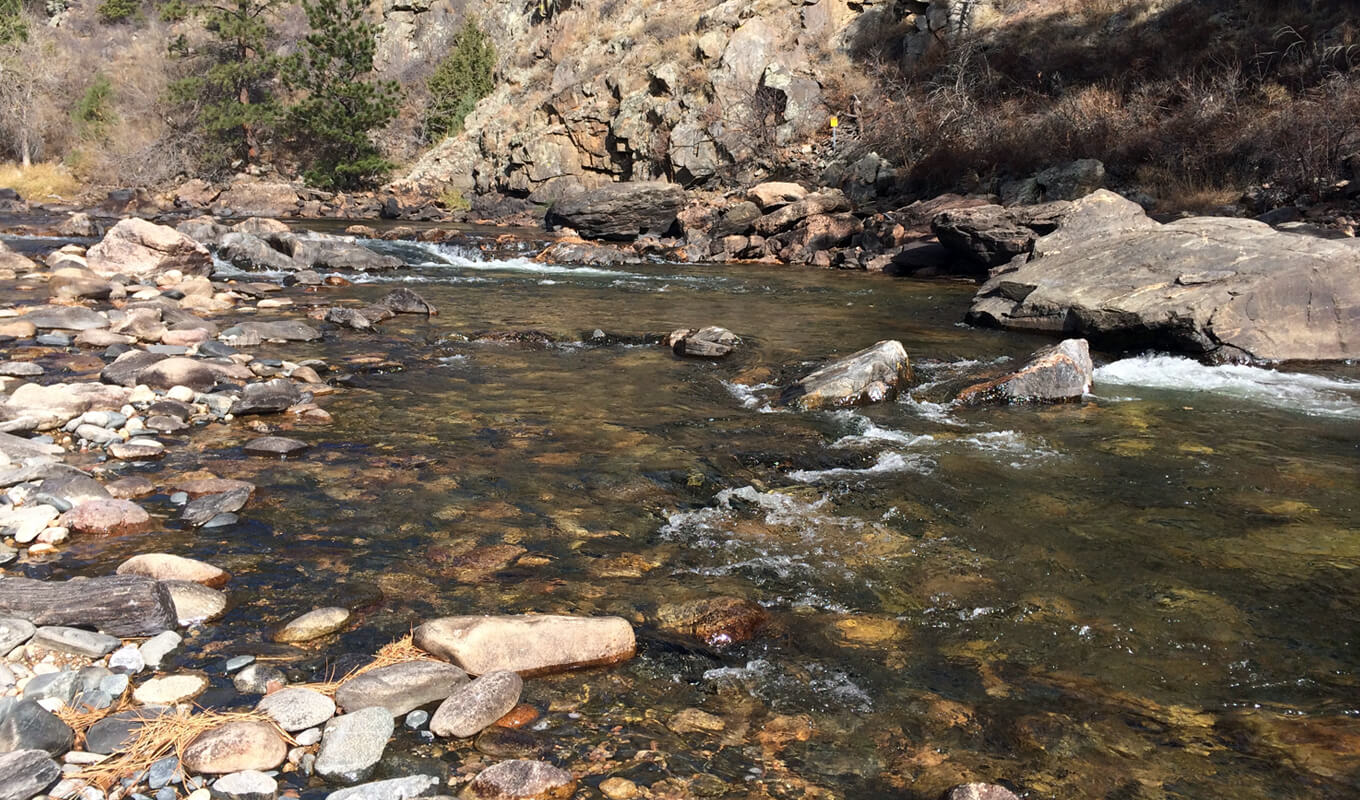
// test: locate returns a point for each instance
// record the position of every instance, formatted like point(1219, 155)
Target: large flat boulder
point(868, 376)
point(35, 407)
point(620, 211)
point(138, 248)
point(1222, 288)
point(530, 644)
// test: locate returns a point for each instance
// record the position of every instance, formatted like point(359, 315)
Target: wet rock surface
point(529, 645)
point(868, 376)
point(1053, 375)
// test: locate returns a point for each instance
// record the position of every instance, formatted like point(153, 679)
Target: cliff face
point(693, 91)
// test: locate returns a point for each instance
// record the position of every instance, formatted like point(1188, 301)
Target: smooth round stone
point(163, 772)
point(313, 625)
point(114, 685)
point(308, 737)
point(247, 785)
point(259, 679)
point(14, 632)
point(179, 498)
point(136, 449)
point(127, 658)
point(237, 662)
point(510, 743)
point(194, 602)
point(417, 719)
point(54, 340)
point(296, 709)
point(473, 707)
point(391, 789)
point(170, 689)
point(116, 731)
point(155, 649)
point(106, 518)
point(235, 747)
point(168, 567)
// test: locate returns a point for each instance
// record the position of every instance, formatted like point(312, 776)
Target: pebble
point(352, 744)
point(155, 649)
point(235, 747)
point(693, 720)
point(259, 679)
point(127, 658)
point(237, 662)
point(296, 709)
point(618, 789)
point(114, 685)
point(417, 719)
point(275, 446)
point(392, 789)
point(170, 689)
point(313, 625)
point(246, 785)
point(14, 632)
point(163, 772)
point(473, 707)
point(308, 737)
point(194, 602)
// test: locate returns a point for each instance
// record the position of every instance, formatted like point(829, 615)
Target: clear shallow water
point(1149, 594)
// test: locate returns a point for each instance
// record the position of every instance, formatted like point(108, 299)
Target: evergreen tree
point(465, 76)
point(331, 125)
point(234, 104)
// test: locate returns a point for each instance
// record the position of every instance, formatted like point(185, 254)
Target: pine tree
point(465, 76)
point(330, 127)
point(233, 99)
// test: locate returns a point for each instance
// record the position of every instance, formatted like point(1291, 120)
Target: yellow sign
point(835, 122)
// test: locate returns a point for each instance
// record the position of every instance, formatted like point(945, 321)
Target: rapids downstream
point(1153, 593)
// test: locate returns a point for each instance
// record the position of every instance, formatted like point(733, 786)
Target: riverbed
point(1152, 593)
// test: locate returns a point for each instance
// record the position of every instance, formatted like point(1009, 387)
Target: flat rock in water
point(194, 602)
point(137, 450)
point(404, 301)
point(127, 368)
point(521, 780)
point(473, 707)
point(170, 689)
point(67, 318)
point(400, 688)
point(200, 510)
point(197, 487)
point(392, 789)
point(245, 785)
point(235, 747)
point(261, 331)
point(75, 641)
point(710, 342)
point(313, 625)
point(25, 725)
point(14, 632)
point(1056, 374)
point(528, 644)
point(868, 376)
point(20, 369)
point(275, 446)
point(168, 567)
point(107, 518)
point(267, 397)
point(1226, 288)
point(180, 371)
point(352, 744)
point(297, 708)
point(26, 773)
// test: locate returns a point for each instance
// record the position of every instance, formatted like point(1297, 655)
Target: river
point(1149, 594)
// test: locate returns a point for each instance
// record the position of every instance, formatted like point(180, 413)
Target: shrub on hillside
point(94, 113)
point(13, 28)
point(465, 76)
point(114, 11)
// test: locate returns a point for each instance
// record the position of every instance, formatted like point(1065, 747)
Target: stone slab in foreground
point(528, 644)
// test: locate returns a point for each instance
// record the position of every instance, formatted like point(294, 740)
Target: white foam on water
point(871, 434)
point(888, 462)
point(749, 396)
point(1314, 395)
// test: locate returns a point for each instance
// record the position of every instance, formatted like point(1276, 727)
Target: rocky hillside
point(697, 92)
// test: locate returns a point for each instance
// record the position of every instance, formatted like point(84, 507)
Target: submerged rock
point(1052, 375)
point(979, 791)
point(715, 620)
point(530, 644)
point(313, 625)
point(709, 342)
point(521, 780)
point(868, 376)
point(275, 446)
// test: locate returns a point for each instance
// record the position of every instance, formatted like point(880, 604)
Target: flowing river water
point(1149, 594)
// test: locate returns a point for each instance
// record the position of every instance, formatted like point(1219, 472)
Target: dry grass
point(401, 651)
point(45, 182)
point(162, 736)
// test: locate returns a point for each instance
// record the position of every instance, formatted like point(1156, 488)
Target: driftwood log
point(119, 605)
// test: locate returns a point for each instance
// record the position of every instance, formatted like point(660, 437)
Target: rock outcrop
point(1221, 288)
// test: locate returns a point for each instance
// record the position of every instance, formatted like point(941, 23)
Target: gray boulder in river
point(1053, 375)
point(870, 375)
point(1223, 288)
point(621, 211)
